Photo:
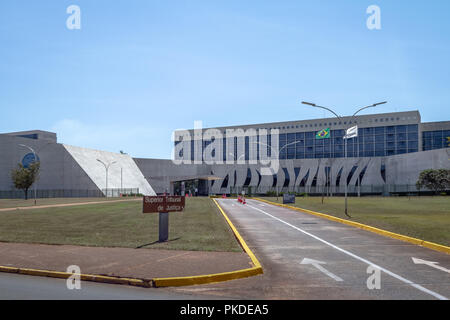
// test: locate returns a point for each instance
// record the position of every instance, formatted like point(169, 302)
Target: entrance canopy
point(197, 185)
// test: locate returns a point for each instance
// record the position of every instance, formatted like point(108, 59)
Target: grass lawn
point(426, 218)
point(122, 224)
point(14, 203)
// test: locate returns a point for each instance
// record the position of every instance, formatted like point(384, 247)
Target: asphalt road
point(307, 257)
point(303, 257)
point(24, 287)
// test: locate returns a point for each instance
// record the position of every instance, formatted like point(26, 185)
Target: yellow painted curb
point(217, 277)
point(84, 277)
point(420, 242)
point(158, 282)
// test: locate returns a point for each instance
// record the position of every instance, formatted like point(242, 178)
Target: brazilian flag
point(323, 134)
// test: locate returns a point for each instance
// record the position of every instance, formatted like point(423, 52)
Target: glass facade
point(435, 139)
point(371, 142)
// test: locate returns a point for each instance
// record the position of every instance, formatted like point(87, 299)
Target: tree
point(23, 177)
point(434, 179)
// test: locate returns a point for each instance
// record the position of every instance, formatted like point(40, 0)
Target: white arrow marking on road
point(431, 264)
point(317, 264)
point(412, 284)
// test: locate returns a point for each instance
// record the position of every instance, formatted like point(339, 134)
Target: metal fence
point(111, 192)
point(68, 193)
point(382, 190)
point(57, 193)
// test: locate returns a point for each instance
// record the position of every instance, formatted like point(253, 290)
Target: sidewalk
point(121, 262)
point(66, 204)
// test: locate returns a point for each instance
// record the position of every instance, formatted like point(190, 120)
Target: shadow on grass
point(155, 242)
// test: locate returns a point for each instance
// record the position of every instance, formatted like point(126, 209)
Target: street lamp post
point(346, 127)
point(106, 168)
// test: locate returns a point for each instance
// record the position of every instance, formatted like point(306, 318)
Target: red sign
point(163, 204)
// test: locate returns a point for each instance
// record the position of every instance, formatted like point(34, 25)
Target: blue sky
point(137, 70)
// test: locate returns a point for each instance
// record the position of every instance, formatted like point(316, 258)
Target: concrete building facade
point(312, 156)
point(67, 170)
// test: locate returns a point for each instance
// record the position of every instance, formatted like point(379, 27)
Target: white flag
point(351, 132)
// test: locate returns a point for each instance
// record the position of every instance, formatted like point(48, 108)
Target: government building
point(384, 155)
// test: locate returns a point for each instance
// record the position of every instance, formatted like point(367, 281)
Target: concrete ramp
point(132, 177)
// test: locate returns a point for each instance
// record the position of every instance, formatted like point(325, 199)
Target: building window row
point(437, 139)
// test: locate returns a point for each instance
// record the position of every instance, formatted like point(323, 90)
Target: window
point(319, 148)
point(379, 130)
point(369, 139)
point(282, 140)
point(390, 137)
point(291, 153)
point(290, 138)
point(369, 153)
point(413, 145)
point(379, 146)
point(390, 145)
point(390, 129)
point(310, 135)
point(413, 136)
point(401, 136)
point(337, 133)
point(390, 152)
point(413, 128)
point(401, 145)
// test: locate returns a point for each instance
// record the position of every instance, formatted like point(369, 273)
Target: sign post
point(163, 205)
point(288, 198)
point(163, 226)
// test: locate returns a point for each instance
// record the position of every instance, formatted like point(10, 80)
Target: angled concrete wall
point(66, 167)
point(131, 176)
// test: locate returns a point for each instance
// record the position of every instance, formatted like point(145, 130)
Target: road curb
point(157, 282)
point(419, 242)
point(217, 277)
point(84, 277)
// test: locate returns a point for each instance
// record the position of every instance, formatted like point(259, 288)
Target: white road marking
point(415, 285)
point(317, 264)
point(431, 264)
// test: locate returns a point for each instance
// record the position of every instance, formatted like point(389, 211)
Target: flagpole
point(345, 134)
